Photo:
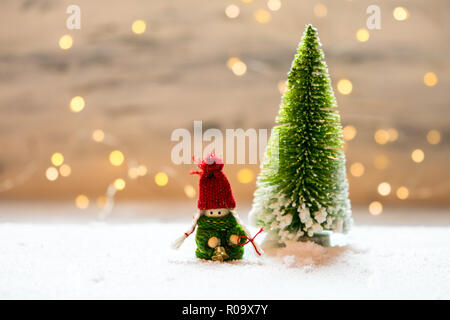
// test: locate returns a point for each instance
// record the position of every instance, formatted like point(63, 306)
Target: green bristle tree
point(302, 188)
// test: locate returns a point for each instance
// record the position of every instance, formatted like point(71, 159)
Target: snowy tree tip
point(310, 28)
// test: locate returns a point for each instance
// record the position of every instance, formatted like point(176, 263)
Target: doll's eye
point(210, 212)
point(219, 212)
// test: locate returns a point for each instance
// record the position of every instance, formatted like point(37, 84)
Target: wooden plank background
point(139, 88)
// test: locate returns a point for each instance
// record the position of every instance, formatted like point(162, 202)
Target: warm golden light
point(98, 135)
point(349, 132)
point(381, 136)
point(119, 184)
point(142, 170)
point(357, 169)
point(65, 170)
point(344, 86)
point(133, 173)
point(402, 193)
point(77, 104)
point(400, 14)
point(239, 68)
point(231, 61)
point(417, 155)
point(362, 35)
point(57, 159)
point(433, 137)
point(381, 162)
point(282, 86)
point(375, 208)
point(262, 16)
point(384, 188)
point(393, 134)
point(274, 5)
point(81, 201)
point(232, 11)
point(161, 179)
point(65, 42)
point(139, 26)
point(189, 191)
point(51, 174)
point(245, 175)
point(247, 1)
point(430, 79)
point(320, 10)
point(116, 158)
point(101, 201)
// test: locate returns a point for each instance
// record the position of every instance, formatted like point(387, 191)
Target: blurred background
point(86, 114)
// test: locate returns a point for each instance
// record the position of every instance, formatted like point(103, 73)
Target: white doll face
point(217, 213)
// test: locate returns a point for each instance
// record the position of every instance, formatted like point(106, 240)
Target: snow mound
point(304, 254)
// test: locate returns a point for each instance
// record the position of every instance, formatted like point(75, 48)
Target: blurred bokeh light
point(88, 112)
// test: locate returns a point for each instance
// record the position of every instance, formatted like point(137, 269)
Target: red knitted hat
point(214, 187)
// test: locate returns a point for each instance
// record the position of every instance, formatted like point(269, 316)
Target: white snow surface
point(134, 261)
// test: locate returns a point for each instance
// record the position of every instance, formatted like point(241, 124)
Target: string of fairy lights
point(238, 67)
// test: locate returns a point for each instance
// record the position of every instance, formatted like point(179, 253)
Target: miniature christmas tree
point(302, 188)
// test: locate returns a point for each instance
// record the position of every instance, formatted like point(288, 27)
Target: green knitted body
point(222, 228)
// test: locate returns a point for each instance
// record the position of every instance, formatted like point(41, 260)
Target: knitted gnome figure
point(220, 233)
